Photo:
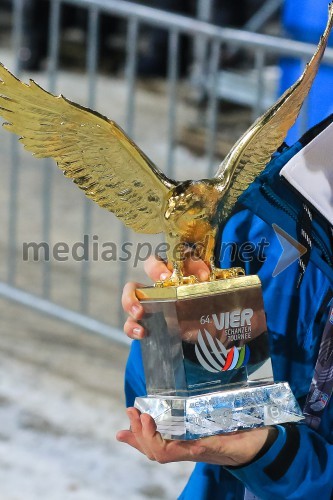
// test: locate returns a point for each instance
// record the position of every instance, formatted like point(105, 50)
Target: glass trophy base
point(194, 417)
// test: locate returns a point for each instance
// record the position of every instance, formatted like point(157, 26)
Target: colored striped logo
point(214, 357)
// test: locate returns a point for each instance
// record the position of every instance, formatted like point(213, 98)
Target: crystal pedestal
point(206, 360)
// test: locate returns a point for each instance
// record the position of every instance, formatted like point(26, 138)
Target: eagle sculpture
point(103, 161)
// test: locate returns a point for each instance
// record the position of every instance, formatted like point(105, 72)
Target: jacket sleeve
point(298, 465)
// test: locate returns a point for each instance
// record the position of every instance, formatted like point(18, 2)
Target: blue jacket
point(299, 464)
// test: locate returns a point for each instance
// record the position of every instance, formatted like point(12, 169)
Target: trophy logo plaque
point(206, 360)
point(206, 355)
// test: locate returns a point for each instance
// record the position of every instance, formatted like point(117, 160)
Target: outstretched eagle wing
point(252, 152)
point(90, 149)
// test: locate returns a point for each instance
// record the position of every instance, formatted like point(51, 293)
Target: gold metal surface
point(104, 162)
point(198, 289)
point(216, 274)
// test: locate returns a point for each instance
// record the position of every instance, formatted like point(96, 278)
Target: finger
point(126, 436)
point(133, 330)
point(134, 417)
point(197, 267)
point(156, 269)
point(165, 451)
point(149, 429)
point(136, 428)
point(130, 302)
point(152, 440)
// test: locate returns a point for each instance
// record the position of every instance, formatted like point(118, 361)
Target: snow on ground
point(60, 406)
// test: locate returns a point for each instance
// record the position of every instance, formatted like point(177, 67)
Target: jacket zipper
point(274, 200)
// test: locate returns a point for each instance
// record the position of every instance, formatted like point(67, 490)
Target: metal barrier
point(48, 299)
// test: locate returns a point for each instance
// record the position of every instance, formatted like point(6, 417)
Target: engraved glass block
point(206, 360)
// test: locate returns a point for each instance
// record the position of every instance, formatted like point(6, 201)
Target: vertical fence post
point(54, 37)
point(14, 163)
point(130, 74)
point(212, 111)
point(201, 42)
point(54, 27)
point(173, 59)
point(91, 65)
point(259, 66)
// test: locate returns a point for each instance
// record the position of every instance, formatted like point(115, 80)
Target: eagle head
point(192, 200)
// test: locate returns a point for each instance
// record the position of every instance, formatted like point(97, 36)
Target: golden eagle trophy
point(206, 357)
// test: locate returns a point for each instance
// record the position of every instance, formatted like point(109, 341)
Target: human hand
point(229, 449)
point(156, 270)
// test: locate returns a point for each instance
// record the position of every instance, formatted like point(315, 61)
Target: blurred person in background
point(152, 55)
point(36, 30)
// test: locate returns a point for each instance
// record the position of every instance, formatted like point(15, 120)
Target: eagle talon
point(212, 276)
point(177, 279)
point(222, 274)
